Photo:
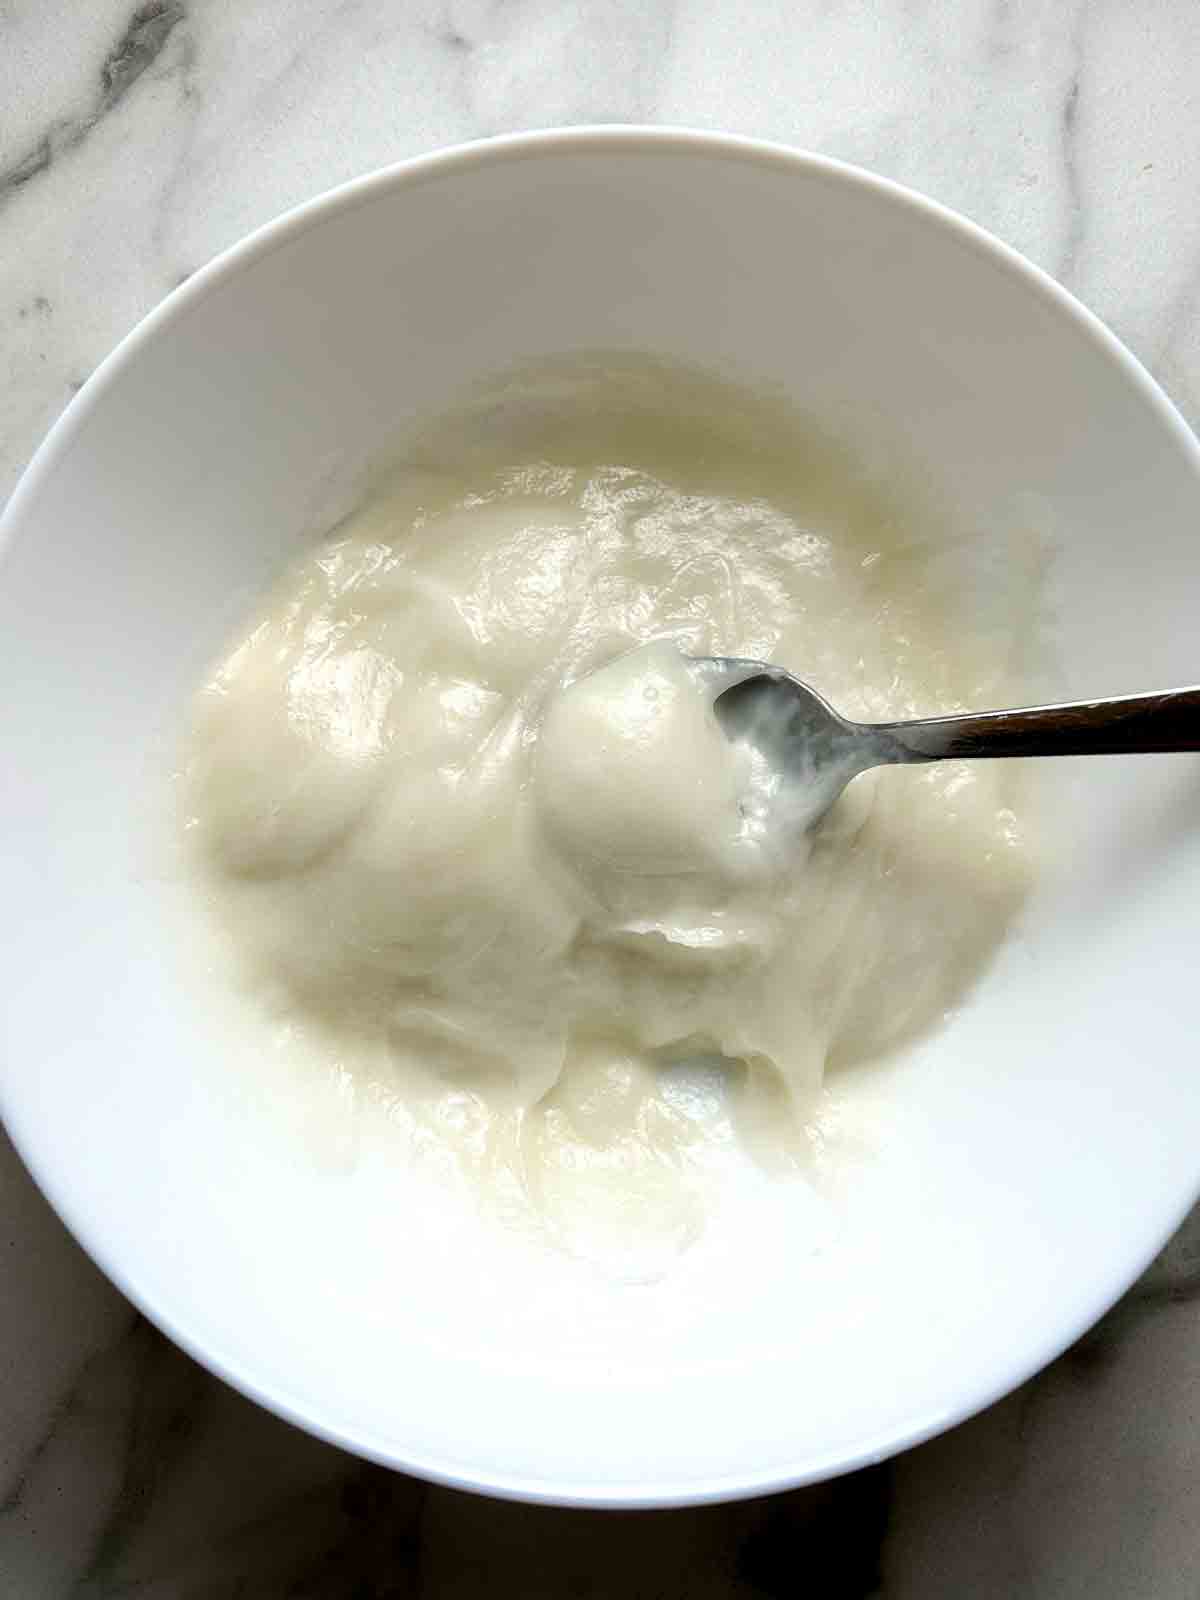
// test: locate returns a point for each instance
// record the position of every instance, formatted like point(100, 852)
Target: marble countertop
point(138, 140)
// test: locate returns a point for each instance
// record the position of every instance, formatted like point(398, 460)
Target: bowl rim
point(412, 172)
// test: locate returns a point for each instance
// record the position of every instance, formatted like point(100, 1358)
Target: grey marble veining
point(138, 140)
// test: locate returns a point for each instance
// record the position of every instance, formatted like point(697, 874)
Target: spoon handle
point(1132, 724)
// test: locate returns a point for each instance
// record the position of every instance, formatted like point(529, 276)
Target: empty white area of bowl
point(1004, 1181)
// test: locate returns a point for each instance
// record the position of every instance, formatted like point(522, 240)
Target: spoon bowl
point(815, 751)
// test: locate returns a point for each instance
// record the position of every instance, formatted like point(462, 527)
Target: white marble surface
point(135, 143)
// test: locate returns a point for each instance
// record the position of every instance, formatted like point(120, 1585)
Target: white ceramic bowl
point(1038, 1150)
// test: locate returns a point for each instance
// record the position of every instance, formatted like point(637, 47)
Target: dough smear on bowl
point(467, 823)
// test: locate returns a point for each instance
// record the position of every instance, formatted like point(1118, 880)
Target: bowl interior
point(1016, 1170)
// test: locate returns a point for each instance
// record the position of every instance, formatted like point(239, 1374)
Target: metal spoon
point(805, 740)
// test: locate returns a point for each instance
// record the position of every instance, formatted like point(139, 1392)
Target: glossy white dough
point(1013, 1172)
point(474, 839)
